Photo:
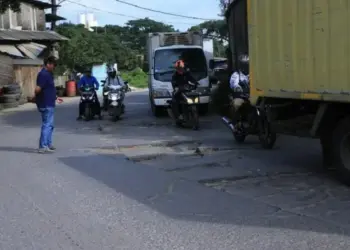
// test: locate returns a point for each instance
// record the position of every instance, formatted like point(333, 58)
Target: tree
point(136, 32)
point(84, 48)
point(10, 4)
point(215, 29)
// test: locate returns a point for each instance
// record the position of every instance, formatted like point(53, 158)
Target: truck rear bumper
point(163, 101)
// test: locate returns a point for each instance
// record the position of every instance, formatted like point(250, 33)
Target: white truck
point(164, 49)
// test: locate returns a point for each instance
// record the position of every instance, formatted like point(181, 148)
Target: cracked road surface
point(141, 183)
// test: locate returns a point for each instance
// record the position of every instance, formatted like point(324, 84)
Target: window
point(194, 59)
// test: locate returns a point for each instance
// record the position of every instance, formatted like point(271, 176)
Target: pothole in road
point(158, 150)
point(306, 193)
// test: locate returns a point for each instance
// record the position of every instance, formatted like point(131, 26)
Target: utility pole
point(54, 12)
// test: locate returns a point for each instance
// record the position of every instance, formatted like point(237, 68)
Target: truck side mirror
point(211, 64)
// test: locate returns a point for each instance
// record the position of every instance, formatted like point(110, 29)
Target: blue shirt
point(88, 81)
point(47, 96)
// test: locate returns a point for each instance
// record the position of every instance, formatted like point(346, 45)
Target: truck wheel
point(341, 150)
point(267, 136)
point(156, 111)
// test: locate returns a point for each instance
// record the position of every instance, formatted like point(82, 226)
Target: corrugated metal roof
point(26, 35)
point(11, 50)
point(31, 50)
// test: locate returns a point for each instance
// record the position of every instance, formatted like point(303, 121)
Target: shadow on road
point(183, 200)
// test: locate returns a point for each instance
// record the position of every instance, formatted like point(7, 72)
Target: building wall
point(25, 76)
point(6, 70)
point(30, 18)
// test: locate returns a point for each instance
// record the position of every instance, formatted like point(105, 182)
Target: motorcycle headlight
point(90, 97)
point(189, 101)
point(106, 93)
point(83, 98)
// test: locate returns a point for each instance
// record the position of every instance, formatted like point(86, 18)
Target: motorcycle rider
point(113, 79)
point(180, 78)
point(239, 83)
point(91, 81)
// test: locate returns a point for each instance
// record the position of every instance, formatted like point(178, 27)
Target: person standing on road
point(45, 98)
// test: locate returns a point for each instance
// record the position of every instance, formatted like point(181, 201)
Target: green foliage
point(136, 78)
point(217, 30)
point(9, 4)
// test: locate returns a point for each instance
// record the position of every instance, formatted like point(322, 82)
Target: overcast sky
point(198, 8)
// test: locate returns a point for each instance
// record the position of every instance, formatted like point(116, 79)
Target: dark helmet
point(87, 70)
point(243, 63)
point(111, 71)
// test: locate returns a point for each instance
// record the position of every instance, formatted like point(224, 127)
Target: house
point(24, 42)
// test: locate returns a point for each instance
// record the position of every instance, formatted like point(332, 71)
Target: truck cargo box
point(299, 49)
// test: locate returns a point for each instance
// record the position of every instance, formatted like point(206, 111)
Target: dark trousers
point(177, 97)
point(97, 106)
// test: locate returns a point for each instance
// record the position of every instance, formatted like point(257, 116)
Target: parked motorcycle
point(252, 120)
point(87, 96)
point(188, 107)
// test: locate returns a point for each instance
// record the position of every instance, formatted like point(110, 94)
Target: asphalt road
point(141, 183)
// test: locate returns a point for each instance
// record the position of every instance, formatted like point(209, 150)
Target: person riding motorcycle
point(113, 79)
point(239, 84)
point(180, 78)
point(91, 81)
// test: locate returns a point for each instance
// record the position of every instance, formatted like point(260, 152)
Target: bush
point(136, 78)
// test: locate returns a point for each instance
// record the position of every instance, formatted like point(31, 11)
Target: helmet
point(111, 72)
point(243, 63)
point(180, 66)
point(243, 59)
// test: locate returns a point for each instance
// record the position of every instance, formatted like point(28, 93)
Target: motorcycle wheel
point(194, 117)
point(267, 136)
point(239, 135)
point(116, 113)
point(88, 113)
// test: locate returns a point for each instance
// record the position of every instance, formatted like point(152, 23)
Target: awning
point(31, 50)
point(11, 50)
point(51, 17)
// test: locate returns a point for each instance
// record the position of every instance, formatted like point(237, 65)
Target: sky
point(208, 9)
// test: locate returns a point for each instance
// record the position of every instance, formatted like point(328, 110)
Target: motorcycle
point(252, 120)
point(188, 107)
point(87, 96)
point(115, 100)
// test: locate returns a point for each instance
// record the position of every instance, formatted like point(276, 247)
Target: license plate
point(114, 103)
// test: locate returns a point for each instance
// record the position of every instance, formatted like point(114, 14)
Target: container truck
point(299, 67)
point(163, 50)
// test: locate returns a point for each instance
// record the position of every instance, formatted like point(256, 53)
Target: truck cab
point(162, 57)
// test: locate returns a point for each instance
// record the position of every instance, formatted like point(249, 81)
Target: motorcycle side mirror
point(103, 81)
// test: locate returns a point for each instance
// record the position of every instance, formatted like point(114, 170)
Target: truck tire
point(341, 150)
point(9, 98)
point(11, 89)
point(156, 111)
point(11, 105)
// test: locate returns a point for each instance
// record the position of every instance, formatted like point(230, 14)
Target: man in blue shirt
point(89, 80)
point(45, 97)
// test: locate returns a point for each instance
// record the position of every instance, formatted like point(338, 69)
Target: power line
point(163, 12)
point(119, 14)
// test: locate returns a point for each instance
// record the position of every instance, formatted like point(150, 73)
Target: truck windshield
point(164, 61)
